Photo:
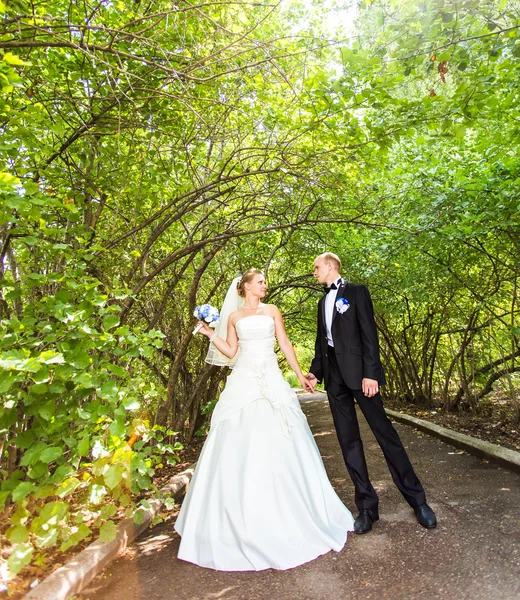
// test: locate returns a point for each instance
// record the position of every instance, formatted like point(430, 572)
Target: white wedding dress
point(260, 497)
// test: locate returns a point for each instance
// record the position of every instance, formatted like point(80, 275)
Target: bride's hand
point(307, 385)
point(204, 329)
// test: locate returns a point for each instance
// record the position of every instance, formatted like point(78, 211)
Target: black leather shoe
point(363, 524)
point(426, 516)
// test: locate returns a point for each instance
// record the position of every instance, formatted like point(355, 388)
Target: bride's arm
point(229, 346)
point(287, 348)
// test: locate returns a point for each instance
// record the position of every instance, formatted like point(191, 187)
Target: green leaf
point(107, 511)
point(39, 389)
point(80, 359)
point(47, 538)
point(22, 490)
point(20, 516)
point(83, 446)
point(3, 498)
point(346, 55)
point(110, 321)
point(142, 482)
point(124, 500)
point(109, 390)
point(7, 381)
point(108, 532)
point(116, 369)
point(17, 534)
point(38, 470)
point(50, 454)
point(45, 491)
point(19, 360)
point(139, 516)
point(114, 475)
point(61, 473)
point(83, 414)
point(131, 404)
point(117, 429)
point(30, 240)
point(25, 439)
point(75, 538)
point(32, 455)
point(20, 557)
point(460, 132)
point(49, 357)
point(12, 59)
point(47, 410)
point(53, 512)
point(67, 487)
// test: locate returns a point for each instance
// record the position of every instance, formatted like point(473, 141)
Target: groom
point(347, 359)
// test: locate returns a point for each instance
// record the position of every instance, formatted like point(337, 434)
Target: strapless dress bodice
point(257, 327)
point(255, 336)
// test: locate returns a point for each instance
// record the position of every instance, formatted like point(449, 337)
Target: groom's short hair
point(330, 257)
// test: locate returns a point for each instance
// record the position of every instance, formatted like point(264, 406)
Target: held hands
point(370, 387)
point(312, 379)
point(306, 384)
point(312, 382)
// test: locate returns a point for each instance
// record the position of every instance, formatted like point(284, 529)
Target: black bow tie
point(327, 288)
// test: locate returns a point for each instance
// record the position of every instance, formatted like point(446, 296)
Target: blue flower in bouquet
point(342, 305)
point(208, 313)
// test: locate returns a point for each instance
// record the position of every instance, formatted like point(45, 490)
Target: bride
point(260, 497)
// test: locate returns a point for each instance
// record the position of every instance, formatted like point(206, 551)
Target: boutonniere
point(342, 305)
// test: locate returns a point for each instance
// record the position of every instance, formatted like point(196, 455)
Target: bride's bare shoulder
point(234, 316)
point(271, 309)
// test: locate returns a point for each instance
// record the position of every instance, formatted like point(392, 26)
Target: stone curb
point(492, 452)
point(73, 576)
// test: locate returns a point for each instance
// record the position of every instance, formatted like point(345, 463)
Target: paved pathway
point(474, 554)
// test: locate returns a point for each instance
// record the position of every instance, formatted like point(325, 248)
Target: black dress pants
point(341, 400)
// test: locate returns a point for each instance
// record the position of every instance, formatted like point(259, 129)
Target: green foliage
point(149, 153)
point(442, 261)
point(69, 402)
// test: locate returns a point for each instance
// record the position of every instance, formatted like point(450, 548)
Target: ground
point(495, 424)
point(474, 554)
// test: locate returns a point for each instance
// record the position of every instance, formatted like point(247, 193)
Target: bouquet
point(208, 313)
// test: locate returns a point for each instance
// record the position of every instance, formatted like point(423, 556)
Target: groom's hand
point(312, 379)
point(370, 387)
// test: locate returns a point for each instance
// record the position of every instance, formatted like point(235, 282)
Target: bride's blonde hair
point(246, 278)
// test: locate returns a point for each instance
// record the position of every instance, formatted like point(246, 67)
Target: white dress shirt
point(330, 300)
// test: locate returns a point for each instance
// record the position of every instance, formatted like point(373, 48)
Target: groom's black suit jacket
point(355, 339)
